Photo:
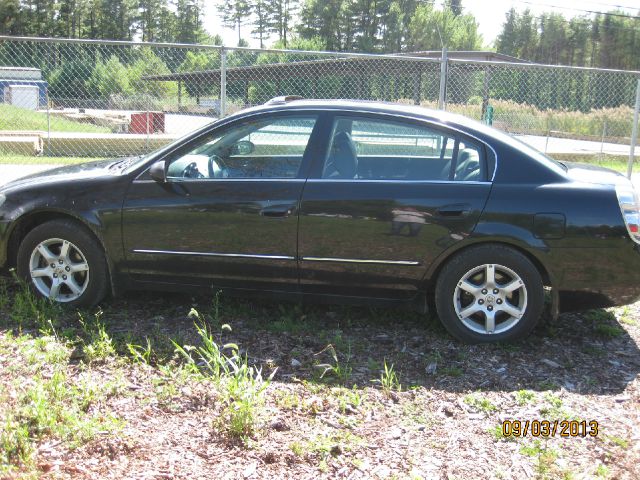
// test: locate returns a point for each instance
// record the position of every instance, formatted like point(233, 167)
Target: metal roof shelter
point(359, 66)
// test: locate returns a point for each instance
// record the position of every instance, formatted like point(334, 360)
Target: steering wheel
point(191, 171)
point(216, 167)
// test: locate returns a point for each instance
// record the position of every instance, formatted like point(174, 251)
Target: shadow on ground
point(587, 353)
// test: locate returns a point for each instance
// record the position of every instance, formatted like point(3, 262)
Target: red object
point(633, 227)
point(147, 122)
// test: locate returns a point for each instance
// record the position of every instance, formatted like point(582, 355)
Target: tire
point(63, 261)
point(466, 297)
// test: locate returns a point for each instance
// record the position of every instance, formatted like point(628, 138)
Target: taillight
point(630, 207)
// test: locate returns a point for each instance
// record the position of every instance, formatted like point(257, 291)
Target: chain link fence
point(64, 98)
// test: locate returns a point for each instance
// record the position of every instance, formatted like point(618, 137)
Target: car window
point(371, 149)
point(264, 148)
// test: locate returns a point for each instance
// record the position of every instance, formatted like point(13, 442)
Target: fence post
point(485, 93)
point(443, 79)
point(48, 149)
point(634, 131)
point(604, 134)
point(223, 82)
point(147, 118)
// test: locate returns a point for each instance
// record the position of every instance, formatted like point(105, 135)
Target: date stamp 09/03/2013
point(550, 428)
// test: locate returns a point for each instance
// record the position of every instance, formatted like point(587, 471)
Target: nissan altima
point(340, 200)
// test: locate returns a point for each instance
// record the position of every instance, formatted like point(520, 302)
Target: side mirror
point(157, 171)
point(243, 147)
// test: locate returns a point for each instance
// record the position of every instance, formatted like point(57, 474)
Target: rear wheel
point(489, 293)
point(64, 262)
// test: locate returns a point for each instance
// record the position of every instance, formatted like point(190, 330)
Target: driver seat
point(343, 159)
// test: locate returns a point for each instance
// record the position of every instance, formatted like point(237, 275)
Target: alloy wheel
point(59, 270)
point(490, 299)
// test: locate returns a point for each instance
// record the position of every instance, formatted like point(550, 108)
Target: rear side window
point(372, 149)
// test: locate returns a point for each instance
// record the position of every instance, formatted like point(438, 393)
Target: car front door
point(390, 196)
point(227, 214)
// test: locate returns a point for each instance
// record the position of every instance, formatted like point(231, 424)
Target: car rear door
point(372, 225)
point(227, 215)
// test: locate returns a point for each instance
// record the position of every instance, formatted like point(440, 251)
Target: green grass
point(16, 118)
point(480, 403)
point(11, 159)
point(524, 397)
point(48, 405)
point(613, 162)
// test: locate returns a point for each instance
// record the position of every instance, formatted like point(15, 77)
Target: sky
point(490, 14)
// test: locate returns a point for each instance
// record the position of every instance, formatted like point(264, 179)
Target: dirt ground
point(326, 412)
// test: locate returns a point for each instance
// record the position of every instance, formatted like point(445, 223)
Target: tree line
point(608, 40)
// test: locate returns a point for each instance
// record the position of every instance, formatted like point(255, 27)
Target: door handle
point(277, 211)
point(455, 210)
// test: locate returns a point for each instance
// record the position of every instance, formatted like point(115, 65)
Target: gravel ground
point(443, 423)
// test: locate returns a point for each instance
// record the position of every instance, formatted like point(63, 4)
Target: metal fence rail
point(86, 98)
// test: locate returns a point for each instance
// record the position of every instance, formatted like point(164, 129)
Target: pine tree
point(235, 14)
point(261, 20)
point(279, 15)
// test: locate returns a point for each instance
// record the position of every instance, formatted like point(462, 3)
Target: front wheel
point(489, 293)
point(62, 261)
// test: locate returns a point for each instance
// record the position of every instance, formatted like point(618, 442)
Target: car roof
point(369, 106)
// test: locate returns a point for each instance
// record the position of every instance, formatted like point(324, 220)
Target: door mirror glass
point(157, 171)
point(243, 147)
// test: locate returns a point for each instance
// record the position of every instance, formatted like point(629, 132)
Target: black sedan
point(347, 201)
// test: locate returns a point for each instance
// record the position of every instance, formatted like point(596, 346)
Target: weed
point(498, 435)
point(16, 447)
point(297, 448)
point(625, 316)
point(287, 400)
point(480, 403)
point(413, 413)
point(241, 386)
point(389, 379)
point(547, 385)
point(602, 323)
point(602, 471)
point(215, 308)
point(139, 353)
point(352, 398)
point(546, 457)
point(97, 344)
point(341, 371)
point(373, 365)
point(524, 397)
point(326, 444)
point(553, 409)
point(609, 331)
point(619, 441)
point(290, 320)
point(29, 310)
point(49, 406)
